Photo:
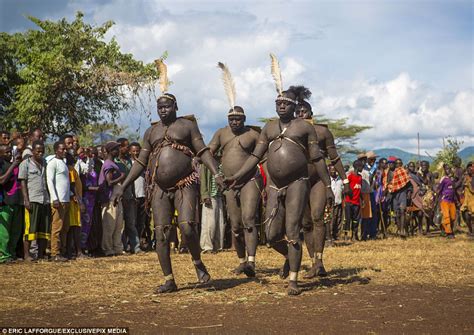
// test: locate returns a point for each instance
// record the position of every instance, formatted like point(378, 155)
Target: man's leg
point(130, 215)
point(336, 221)
point(6, 214)
point(64, 213)
point(15, 229)
point(220, 224)
point(56, 228)
point(186, 201)
point(347, 219)
point(207, 228)
point(296, 198)
point(318, 202)
point(238, 240)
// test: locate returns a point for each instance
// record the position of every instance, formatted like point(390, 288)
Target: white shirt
point(337, 187)
point(139, 185)
point(57, 175)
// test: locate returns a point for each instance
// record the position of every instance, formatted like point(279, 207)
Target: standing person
point(130, 234)
point(142, 217)
point(236, 141)
point(168, 148)
point(447, 197)
point(337, 187)
point(427, 192)
point(398, 188)
point(467, 208)
point(380, 198)
point(212, 223)
point(353, 202)
point(10, 221)
point(4, 137)
point(369, 222)
point(76, 206)
point(57, 175)
point(112, 211)
point(32, 176)
point(91, 229)
point(458, 175)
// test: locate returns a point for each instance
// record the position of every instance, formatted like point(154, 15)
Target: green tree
point(68, 76)
point(345, 133)
point(449, 153)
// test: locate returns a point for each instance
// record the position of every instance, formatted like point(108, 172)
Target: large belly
point(286, 163)
point(232, 161)
point(173, 165)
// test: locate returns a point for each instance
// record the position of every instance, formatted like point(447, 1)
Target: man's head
point(20, 144)
point(135, 149)
point(447, 169)
point(411, 167)
point(5, 152)
point(38, 150)
point(36, 135)
point(398, 163)
point(425, 166)
point(457, 161)
point(60, 149)
point(75, 143)
point(123, 146)
point(4, 137)
point(332, 171)
point(112, 148)
point(470, 168)
point(382, 163)
point(167, 107)
point(358, 165)
point(286, 105)
point(237, 120)
point(304, 110)
point(68, 141)
point(362, 157)
point(391, 162)
point(371, 158)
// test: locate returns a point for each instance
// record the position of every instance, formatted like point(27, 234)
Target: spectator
point(57, 175)
point(382, 204)
point(10, 201)
point(4, 137)
point(112, 214)
point(336, 220)
point(398, 188)
point(32, 175)
point(447, 198)
point(467, 208)
point(212, 223)
point(130, 234)
point(35, 135)
point(142, 218)
point(352, 203)
point(369, 210)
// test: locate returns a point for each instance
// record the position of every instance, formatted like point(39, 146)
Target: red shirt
point(355, 183)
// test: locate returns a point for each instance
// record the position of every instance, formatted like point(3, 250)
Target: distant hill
point(406, 156)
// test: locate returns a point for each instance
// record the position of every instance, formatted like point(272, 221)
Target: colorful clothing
point(446, 190)
point(89, 179)
point(468, 202)
point(355, 183)
point(37, 222)
point(400, 180)
point(105, 191)
point(74, 208)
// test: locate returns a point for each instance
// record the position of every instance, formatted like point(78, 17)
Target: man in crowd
point(467, 208)
point(142, 217)
point(10, 220)
point(381, 202)
point(32, 175)
point(35, 135)
point(130, 234)
point(57, 174)
point(337, 186)
point(4, 137)
point(398, 188)
point(447, 197)
point(353, 202)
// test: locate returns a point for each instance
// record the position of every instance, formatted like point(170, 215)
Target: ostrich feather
point(163, 73)
point(229, 85)
point(276, 73)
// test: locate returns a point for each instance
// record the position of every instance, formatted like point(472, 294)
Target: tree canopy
point(65, 75)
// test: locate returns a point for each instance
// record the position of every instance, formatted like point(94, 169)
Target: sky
point(402, 67)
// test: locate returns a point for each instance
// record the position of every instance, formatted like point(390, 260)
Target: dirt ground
point(423, 285)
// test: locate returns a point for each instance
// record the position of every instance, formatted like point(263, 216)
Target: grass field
point(100, 289)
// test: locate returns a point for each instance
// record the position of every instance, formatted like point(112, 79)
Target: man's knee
point(187, 228)
point(162, 233)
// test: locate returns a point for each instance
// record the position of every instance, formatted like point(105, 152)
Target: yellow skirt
point(74, 214)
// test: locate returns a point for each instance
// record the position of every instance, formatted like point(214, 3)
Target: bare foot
point(168, 287)
point(293, 288)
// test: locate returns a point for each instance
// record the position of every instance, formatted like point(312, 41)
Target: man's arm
point(51, 180)
point(4, 178)
point(204, 187)
point(215, 143)
point(202, 151)
point(23, 178)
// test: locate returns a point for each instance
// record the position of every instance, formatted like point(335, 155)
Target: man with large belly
point(313, 222)
point(290, 145)
point(171, 183)
point(237, 143)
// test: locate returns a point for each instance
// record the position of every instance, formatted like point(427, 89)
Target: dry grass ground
point(111, 290)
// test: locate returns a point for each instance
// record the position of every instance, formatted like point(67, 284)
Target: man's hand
point(207, 202)
point(117, 195)
point(329, 197)
point(56, 204)
point(17, 160)
point(347, 190)
point(220, 181)
point(26, 203)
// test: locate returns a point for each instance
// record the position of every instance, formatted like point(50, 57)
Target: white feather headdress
point(163, 78)
point(229, 88)
point(276, 73)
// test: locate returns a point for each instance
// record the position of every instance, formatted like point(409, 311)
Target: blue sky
point(402, 67)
